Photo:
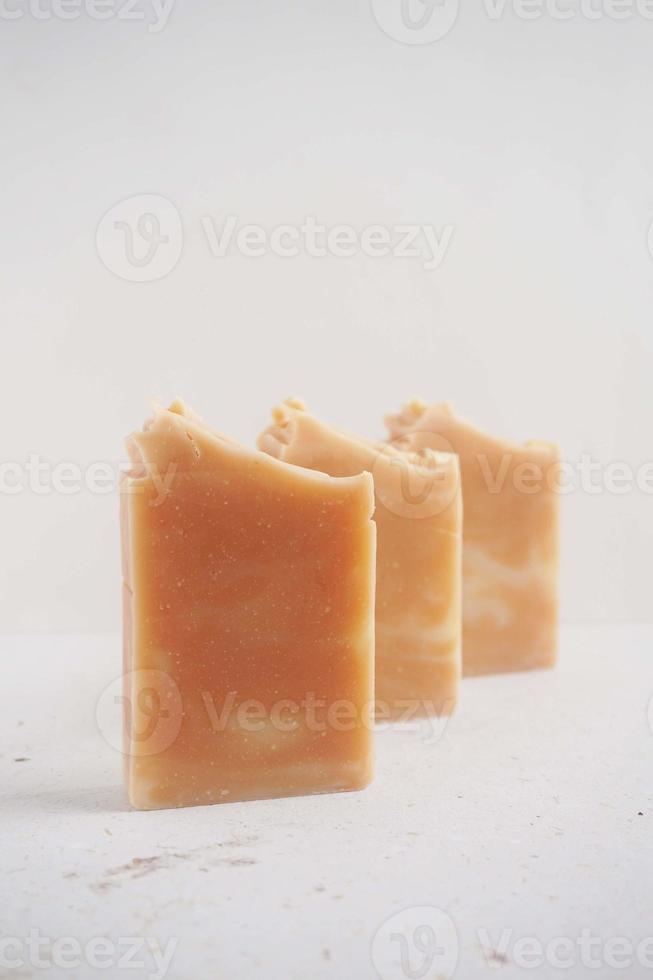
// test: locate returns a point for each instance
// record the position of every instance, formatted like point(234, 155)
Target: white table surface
point(529, 817)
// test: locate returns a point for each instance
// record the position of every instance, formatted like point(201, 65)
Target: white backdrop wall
point(527, 144)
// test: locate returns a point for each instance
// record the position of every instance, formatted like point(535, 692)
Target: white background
point(532, 138)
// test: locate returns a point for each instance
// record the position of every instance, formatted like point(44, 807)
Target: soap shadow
point(102, 799)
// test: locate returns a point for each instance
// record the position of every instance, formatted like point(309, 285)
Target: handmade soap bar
point(249, 621)
point(418, 518)
point(510, 551)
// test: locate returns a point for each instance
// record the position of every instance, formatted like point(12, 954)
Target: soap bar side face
point(510, 539)
point(250, 594)
point(419, 545)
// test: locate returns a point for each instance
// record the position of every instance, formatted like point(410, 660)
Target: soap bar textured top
point(249, 621)
point(510, 549)
point(419, 542)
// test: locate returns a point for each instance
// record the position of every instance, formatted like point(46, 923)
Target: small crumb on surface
point(496, 957)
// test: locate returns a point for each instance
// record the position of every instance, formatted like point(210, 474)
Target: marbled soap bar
point(249, 621)
point(510, 548)
point(419, 542)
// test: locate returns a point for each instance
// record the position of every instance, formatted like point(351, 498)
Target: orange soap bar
point(510, 549)
point(249, 621)
point(419, 524)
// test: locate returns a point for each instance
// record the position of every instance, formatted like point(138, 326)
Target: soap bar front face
point(510, 539)
point(419, 545)
point(249, 622)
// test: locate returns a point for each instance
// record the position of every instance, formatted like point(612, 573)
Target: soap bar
point(248, 621)
point(419, 542)
point(510, 540)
